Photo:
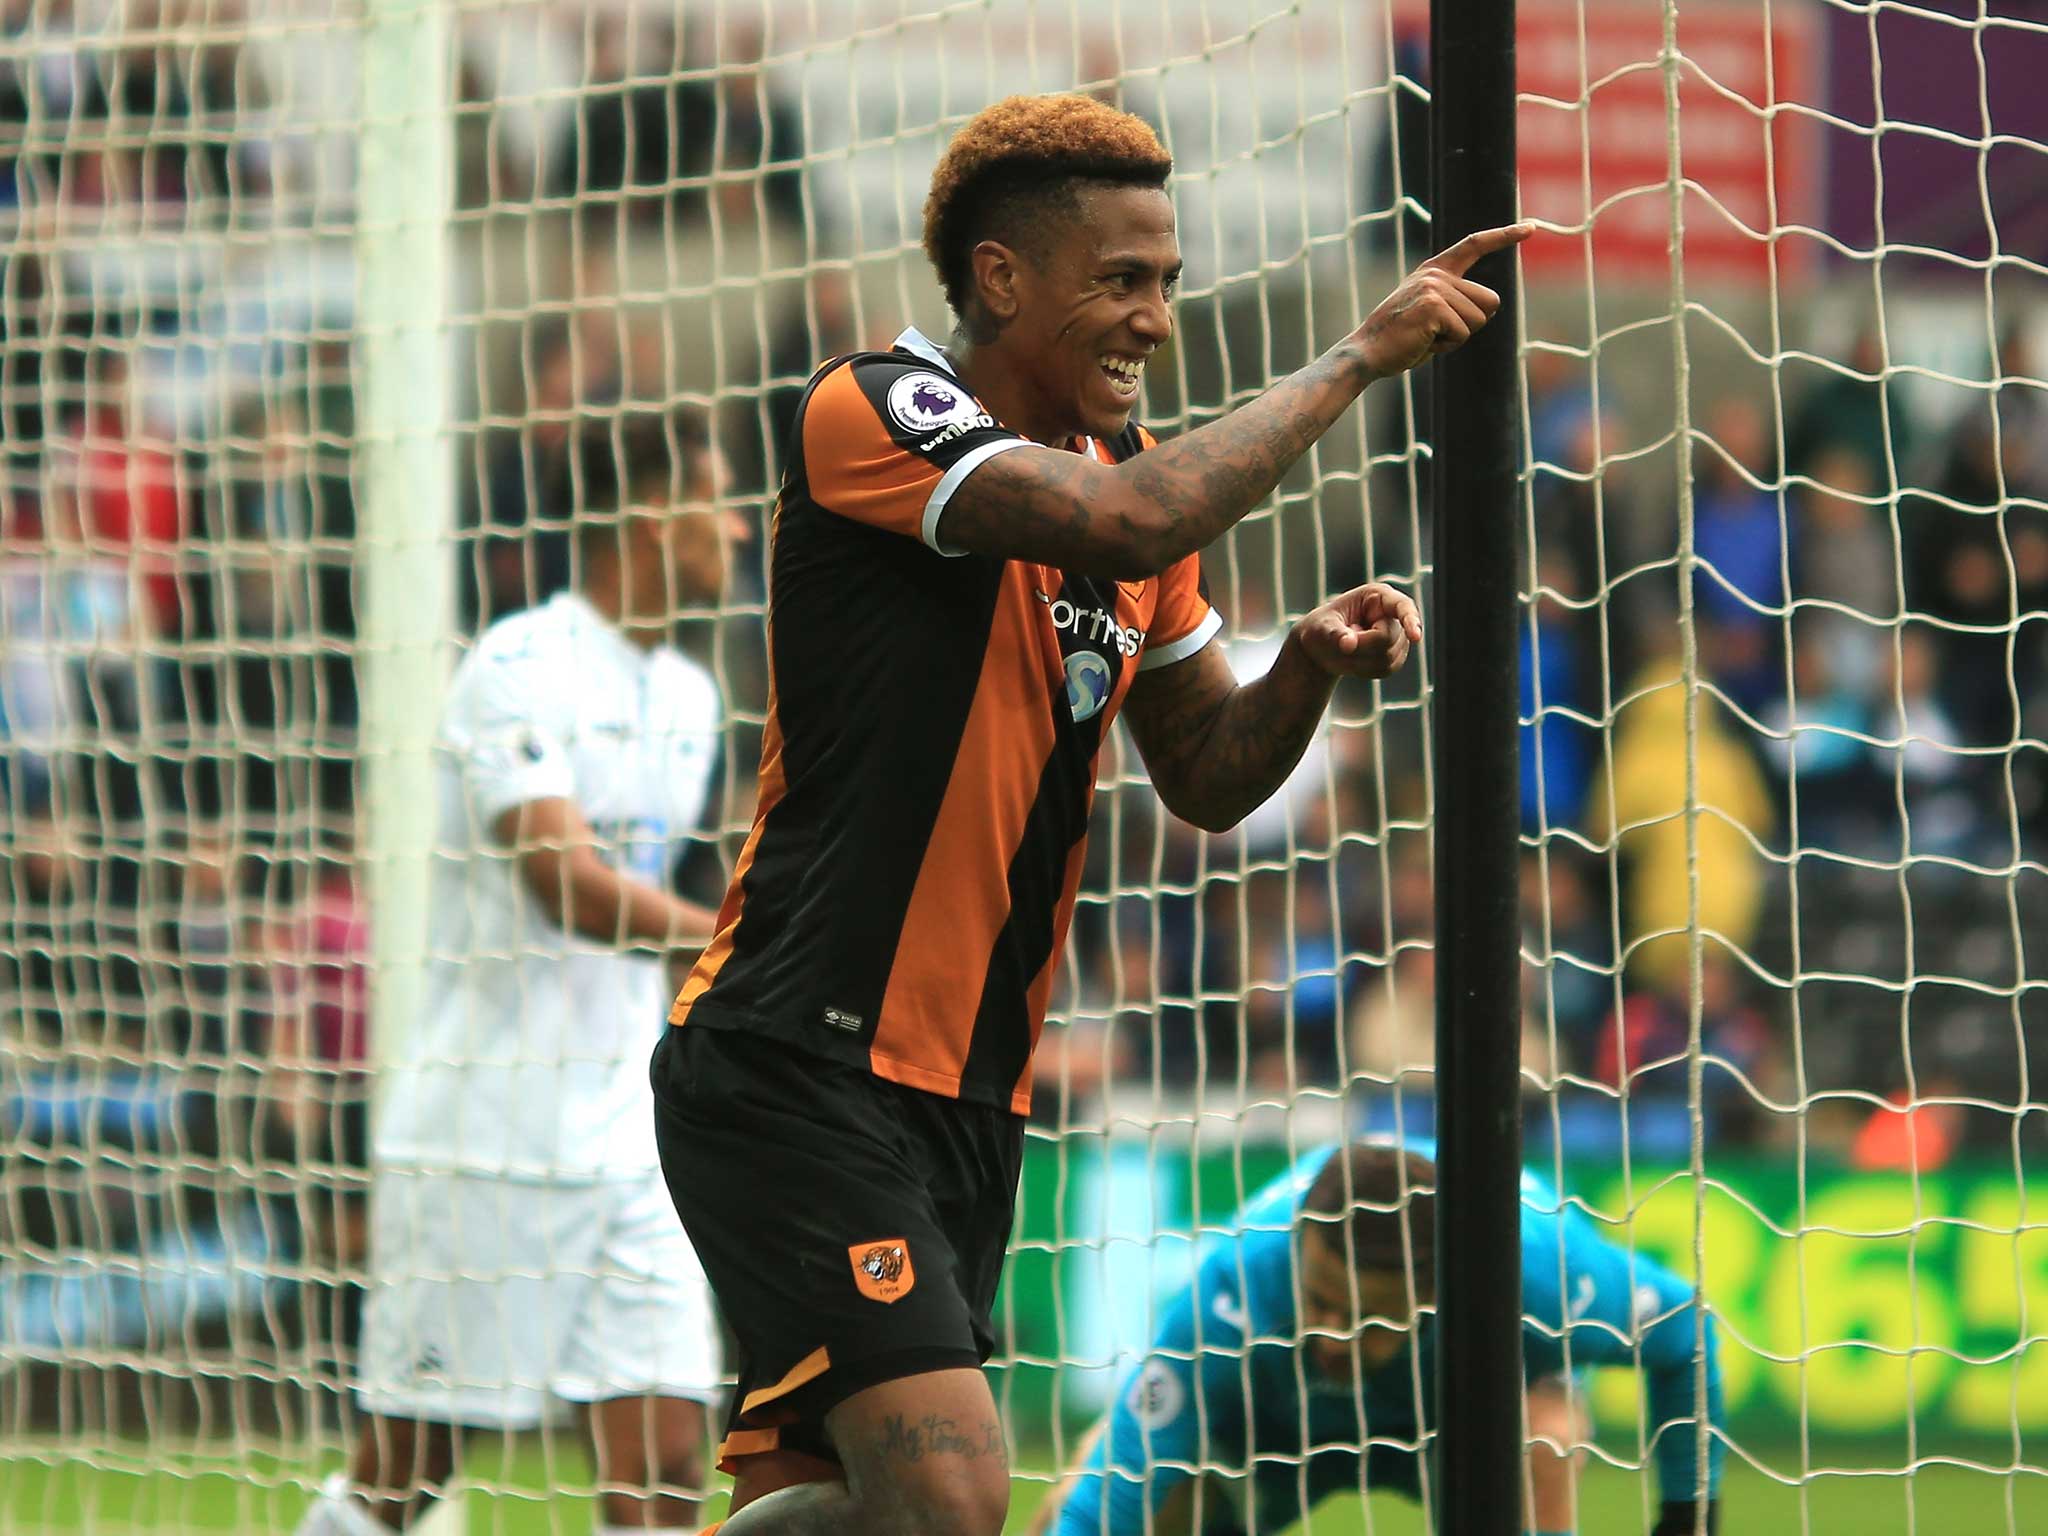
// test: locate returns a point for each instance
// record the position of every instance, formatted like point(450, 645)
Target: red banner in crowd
point(1594, 134)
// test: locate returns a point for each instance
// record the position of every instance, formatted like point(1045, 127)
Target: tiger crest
point(882, 1269)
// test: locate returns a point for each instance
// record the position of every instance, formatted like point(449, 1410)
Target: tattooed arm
point(1133, 520)
point(1216, 749)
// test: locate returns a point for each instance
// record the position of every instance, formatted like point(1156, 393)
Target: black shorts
point(853, 1229)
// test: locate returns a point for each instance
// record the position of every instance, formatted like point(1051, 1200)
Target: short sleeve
point(1184, 621)
point(496, 731)
point(887, 439)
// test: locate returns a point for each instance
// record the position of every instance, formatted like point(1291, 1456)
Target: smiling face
point(1079, 317)
point(1353, 1323)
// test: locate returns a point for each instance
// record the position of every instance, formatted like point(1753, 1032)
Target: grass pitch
point(46, 1489)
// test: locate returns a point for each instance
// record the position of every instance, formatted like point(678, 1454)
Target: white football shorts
point(490, 1300)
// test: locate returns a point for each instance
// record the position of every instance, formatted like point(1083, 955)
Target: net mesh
point(1785, 543)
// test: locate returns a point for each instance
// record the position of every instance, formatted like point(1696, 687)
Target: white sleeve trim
point(949, 482)
point(1179, 650)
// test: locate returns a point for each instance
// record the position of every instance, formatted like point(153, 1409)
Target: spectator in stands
point(1392, 1038)
point(131, 499)
point(1557, 749)
point(524, 558)
point(317, 1070)
point(1391, 1028)
point(1293, 1013)
point(151, 122)
point(231, 102)
point(1642, 1050)
point(1853, 677)
point(1590, 529)
point(1816, 749)
point(1979, 552)
point(1844, 537)
point(1560, 407)
point(641, 134)
point(270, 523)
point(2021, 401)
point(826, 324)
point(266, 690)
point(1943, 786)
point(41, 79)
point(1565, 472)
point(17, 86)
point(204, 1012)
point(758, 160)
point(1103, 1021)
point(69, 687)
point(1565, 925)
point(1650, 825)
point(1909, 1134)
point(330, 451)
point(697, 129)
point(1856, 414)
point(1736, 533)
point(27, 327)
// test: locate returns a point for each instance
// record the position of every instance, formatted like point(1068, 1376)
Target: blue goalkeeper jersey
point(1228, 1388)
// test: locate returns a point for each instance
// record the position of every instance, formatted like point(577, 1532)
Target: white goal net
point(301, 300)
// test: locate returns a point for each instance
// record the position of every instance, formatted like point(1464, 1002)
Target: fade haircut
point(615, 457)
point(1016, 168)
point(1378, 1191)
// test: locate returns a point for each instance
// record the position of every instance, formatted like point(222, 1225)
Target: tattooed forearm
point(1200, 485)
point(1135, 519)
point(913, 1439)
point(1215, 750)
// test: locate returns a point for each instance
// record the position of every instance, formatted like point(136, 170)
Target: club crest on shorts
point(882, 1269)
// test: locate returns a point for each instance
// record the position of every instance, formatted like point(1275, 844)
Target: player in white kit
point(524, 1250)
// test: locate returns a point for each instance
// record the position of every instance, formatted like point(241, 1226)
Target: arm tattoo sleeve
point(1135, 519)
point(1217, 750)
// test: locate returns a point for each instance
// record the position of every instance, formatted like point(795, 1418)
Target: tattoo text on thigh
point(933, 1434)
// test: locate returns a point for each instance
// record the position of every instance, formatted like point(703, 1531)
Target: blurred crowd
point(186, 929)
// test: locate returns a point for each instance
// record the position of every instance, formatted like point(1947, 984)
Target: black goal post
point(1473, 613)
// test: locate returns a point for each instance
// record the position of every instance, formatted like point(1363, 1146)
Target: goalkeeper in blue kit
point(1292, 1366)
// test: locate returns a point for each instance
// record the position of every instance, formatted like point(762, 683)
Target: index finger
point(1481, 242)
point(1407, 615)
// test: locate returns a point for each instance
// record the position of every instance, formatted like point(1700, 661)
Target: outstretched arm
point(1621, 1308)
point(1133, 520)
point(1216, 749)
point(1135, 1496)
point(1174, 1516)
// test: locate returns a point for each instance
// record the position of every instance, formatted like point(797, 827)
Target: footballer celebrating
point(978, 562)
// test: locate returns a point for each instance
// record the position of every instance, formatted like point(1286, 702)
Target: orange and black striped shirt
point(928, 765)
